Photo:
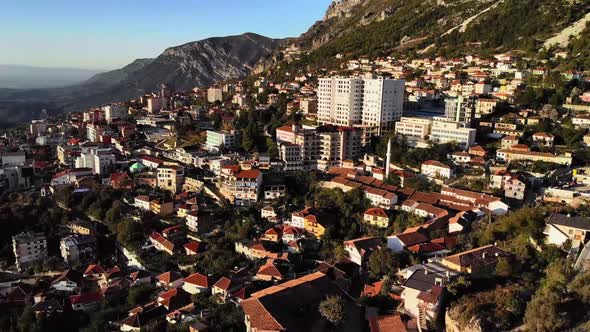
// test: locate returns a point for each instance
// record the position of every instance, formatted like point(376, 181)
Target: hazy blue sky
point(107, 34)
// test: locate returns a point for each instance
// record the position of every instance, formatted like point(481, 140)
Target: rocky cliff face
point(205, 62)
point(341, 8)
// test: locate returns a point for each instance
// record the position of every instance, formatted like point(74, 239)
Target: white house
point(436, 170)
point(400, 242)
point(359, 250)
point(196, 283)
point(561, 227)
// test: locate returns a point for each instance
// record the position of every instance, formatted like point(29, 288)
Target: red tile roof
point(86, 298)
point(161, 240)
point(194, 246)
point(389, 323)
point(248, 174)
point(169, 277)
point(197, 279)
point(376, 212)
point(94, 269)
point(223, 283)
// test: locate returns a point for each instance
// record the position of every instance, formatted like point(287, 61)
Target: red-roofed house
point(436, 170)
point(121, 181)
point(401, 241)
point(193, 248)
point(197, 283)
point(161, 243)
point(544, 139)
point(241, 187)
point(224, 287)
point(376, 217)
point(170, 279)
point(86, 301)
point(360, 249)
point(269, 272)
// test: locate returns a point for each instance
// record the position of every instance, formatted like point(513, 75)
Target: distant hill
point(28, 77)
point(195, 64)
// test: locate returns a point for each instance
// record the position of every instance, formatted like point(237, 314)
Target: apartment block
point(170, 177)
point(115, 111)
point(340, 100)
point(29, 248)
point(373, 104)
point(100, 160)
point(460, 109)
point(217, 140)
point(78, 249)
point(319, 148)
point(214, 94)
point(241, 187)
point(413, 128)
point(450, 131)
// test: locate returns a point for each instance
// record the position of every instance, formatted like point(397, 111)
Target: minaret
point(388, 158)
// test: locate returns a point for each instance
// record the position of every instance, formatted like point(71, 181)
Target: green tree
point(580, 287)
point(544, 311)
point(504, 267)
point(249, 137)
point(129, 232)
point(382, 262)
point(139, 295)
point(273, 150)
point(332, 309)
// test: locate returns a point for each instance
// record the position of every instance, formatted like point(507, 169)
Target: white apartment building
point(221, 139)
point(436, 170)
point(374, 104)
point(241, 187)
point(240, 100)
point(449, 131)
point(308, 105)
point(413, 128)
point(156, 104)
point(214, 94)
point(94, 131)
point(383, 102)
point(29, 248)
point(437, 130)
point(340, 100)
point(100, 160)
point(76, 249)
point(115, 111)
point(484, 106)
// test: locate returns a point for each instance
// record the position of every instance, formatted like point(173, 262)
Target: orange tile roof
point(223, 283)
point(197, 279)
point(377, 212)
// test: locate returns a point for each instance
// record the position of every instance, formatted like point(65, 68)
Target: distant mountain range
point(29, 77)
point(196, 64)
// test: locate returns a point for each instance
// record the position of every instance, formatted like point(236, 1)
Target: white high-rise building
point(374, 104)
point(115, 111)
point(214, 94)
point(383, 102)
point(340, 100)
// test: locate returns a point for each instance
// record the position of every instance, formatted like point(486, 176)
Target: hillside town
point(390, 195)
